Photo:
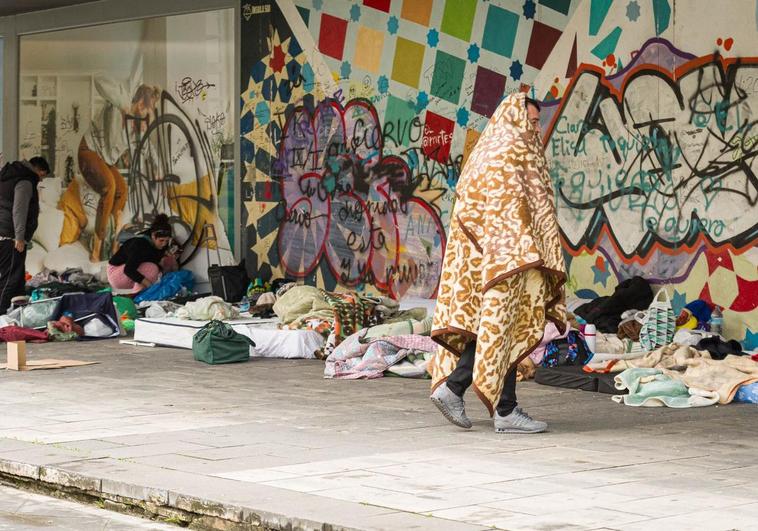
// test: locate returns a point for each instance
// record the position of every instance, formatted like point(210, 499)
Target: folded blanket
point(609, 344)
point(384, 307)
point(696, 369)
point(412, 314)
point(653, 388)
point(400, 328)
point(302, 303)
point(605, 363)
point(672, 357)
point(414, 365)
point(19, 333)
point(207, 309)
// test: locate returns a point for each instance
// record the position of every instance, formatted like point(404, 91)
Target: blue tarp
point(168, 286)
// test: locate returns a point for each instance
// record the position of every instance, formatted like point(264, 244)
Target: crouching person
point(139, 261)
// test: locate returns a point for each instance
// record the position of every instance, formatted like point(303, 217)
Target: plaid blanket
point(351, 314)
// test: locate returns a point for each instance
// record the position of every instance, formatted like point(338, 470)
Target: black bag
point(228, 282)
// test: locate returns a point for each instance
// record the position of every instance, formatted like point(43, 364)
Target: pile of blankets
point(68, 317)
point(333, 315)
point(606, 312)
point(365, 336)
point(697, 368)
point(683, 376)
point(202, 309)
point(72, 276)
point(365, 357)
point(49, 284)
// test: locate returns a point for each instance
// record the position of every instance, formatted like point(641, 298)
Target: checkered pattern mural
point(431, 72)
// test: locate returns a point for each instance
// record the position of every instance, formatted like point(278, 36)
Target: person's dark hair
point(530, 101)
point(40, 163)
point(160, 226)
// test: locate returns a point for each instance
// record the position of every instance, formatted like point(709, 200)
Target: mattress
point(575, 378)
point(270, 342)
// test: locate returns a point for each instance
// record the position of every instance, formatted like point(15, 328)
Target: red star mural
point(718, 259)
point(725, 287)
point(747, 298)
point(277, 59)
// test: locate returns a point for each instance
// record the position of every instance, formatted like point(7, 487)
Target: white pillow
point(48, 233)
point(35, 260)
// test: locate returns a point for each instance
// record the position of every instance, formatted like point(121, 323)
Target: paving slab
point(271, 444)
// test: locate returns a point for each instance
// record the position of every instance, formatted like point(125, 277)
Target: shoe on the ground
point(518, 422)
point(451, 406)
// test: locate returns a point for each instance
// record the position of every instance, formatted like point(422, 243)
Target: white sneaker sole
point(516, 430)
point(447, 414)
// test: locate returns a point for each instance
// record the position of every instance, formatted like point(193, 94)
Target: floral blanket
point(359, 357)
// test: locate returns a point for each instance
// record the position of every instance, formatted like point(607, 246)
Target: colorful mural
point(357, 118)
point(653, 157)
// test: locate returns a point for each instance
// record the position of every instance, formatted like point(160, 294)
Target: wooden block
point(16, 355)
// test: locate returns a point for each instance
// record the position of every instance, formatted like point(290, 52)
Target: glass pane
point(133, 118)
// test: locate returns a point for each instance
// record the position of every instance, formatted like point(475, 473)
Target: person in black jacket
point(19, 210)
point(139, 261)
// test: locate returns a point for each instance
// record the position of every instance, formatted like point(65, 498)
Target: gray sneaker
point(518, 422)
point(451, 406)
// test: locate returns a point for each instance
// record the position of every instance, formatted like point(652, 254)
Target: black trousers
point(463, 374)
point(12, 273)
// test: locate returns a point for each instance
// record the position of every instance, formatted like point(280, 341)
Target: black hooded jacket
point(10, 175)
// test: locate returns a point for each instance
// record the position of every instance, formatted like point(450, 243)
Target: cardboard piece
point(32, 365)
point(16, 355)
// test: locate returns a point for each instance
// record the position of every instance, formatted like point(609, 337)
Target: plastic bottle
point(590, 336)
point(244, 304)
point(717, 321)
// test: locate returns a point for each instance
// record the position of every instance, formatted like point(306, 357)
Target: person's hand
point(20, 245)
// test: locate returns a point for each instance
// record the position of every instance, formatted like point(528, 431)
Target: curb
point(151, 503)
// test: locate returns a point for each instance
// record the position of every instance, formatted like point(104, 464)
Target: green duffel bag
point(217, 342)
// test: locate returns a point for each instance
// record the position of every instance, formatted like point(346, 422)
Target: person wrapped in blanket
point(503, 273)
point(139, 261)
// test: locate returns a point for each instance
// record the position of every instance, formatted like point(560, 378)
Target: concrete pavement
point(271, 444)
point(22, 511)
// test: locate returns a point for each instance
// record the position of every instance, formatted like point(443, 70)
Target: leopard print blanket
point(503, 271)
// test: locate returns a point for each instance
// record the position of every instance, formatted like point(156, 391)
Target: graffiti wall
point(356, 120)
point(652, 140)
point(132, 119)
point(357, 117)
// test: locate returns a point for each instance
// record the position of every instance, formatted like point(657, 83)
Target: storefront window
point(133, 117)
